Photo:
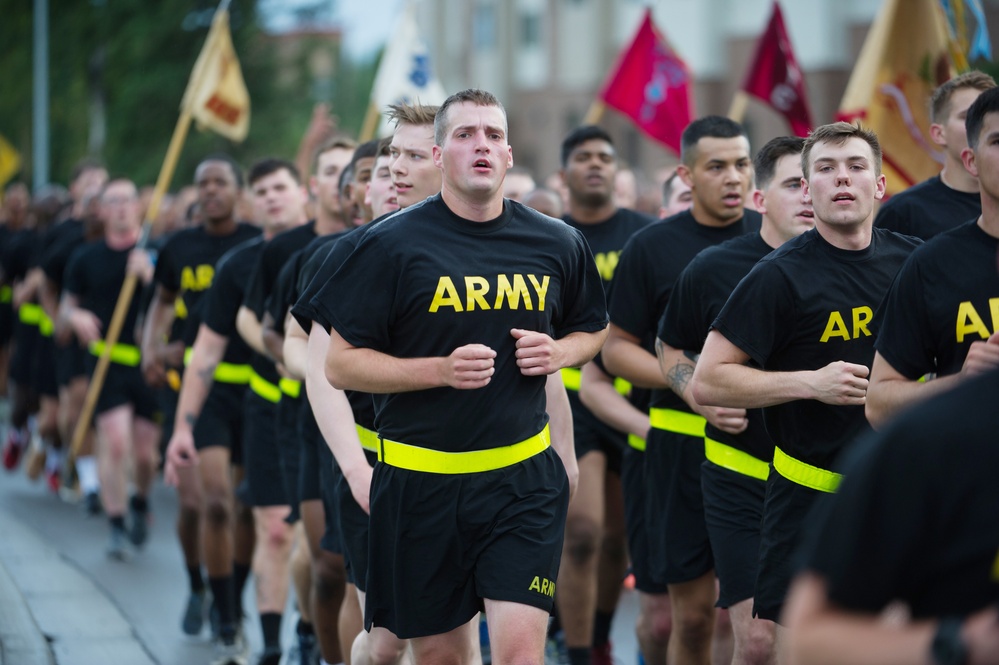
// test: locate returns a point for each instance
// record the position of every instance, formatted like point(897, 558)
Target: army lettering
point(500, 292)
point(198, 278)
point(606, 264)
point(836, 325)
point(970, 322)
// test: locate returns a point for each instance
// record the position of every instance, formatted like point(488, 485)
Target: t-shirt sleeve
point(633, 298)
point(221, 303)
point(283, 294)
point(757, 316)
point(683, 324)
point(255, 298)
point(75, 277)
point(584, 306)
point(166, 273)
point(361, 316)
point(902, 326)
point(316, 273)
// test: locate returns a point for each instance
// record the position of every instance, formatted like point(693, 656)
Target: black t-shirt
point(650, 264)
point(95, 274)
point(20, 254)
point(803, 306)
point(942, 300)
point(276, 253)
point(698, 296)
point(606, 239)
point(929, 208)
point(186, 266)
point(915, 517)
point(61, 241)
point(225, 295)
point(318, 257)
point(425, 282)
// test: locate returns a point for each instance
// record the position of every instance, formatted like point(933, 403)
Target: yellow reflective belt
point(224, 372)
point(121, 354)
point(414, 458)
point(30, 314)
point(290, 387)
point(45, 325)
point(636, 442)
point(264, 388)
point(572, 379)
point(734, 459)
point(680, 422)
point(369, 438)
point(6, 294)
point(805, 474)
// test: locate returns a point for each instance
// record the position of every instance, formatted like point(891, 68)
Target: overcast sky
point(365, 23)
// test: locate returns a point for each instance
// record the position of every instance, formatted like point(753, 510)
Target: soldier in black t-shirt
point(913, 522)
point(595, 521)
point(951, 198)
point(736, 445)
point(940, 317)
point(185, 270)
point(717, 166)
point(345, 420)
point(126, 411)
point(466, 473)
point(795, 337)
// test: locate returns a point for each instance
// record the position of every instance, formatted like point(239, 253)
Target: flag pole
point(595, 113)
point(740, 101)
point(370, 125)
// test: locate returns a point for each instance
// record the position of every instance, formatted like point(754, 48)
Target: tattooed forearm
point(207, 376)
point(678, 377)
point(190, 419)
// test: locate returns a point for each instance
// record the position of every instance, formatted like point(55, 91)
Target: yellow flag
point(10, 161)
point(905, 56)
point(216, 95)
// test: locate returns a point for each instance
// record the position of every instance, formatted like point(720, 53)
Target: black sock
point(304, 627)
point(270, 626)
point(602, 627)
point(117, 522)
point(196, 579)
point(240, 573)
point(222, 592)
point(579, 655)
point(140, 504)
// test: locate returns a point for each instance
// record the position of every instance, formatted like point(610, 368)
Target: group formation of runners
point(452, 397)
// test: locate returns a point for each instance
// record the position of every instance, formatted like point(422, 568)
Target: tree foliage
point(137, 56)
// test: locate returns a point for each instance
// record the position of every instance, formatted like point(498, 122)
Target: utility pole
point(40, 87)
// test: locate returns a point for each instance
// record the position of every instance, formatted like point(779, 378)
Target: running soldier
point(126, 412)
point(951, 198)
point(506, 504)
point(794, 339)
point(715, 163)
point(736, 445)
point(934, 319)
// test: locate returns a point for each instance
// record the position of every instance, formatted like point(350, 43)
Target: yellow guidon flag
point(10, 161)
point(216, 95)
point(905, 56)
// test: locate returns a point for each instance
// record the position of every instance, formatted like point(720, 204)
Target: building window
point(530, 29)
point(484, 26)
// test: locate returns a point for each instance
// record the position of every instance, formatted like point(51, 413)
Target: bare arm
point(624, 356)
point(560, 423)
point(81, 322)
point(250, 330)
point(819, 633)
point(296, 348)
point(539, 354)
point(155, 351)
point(723, 378)
point(335, 417)
point(208, 350)
point(891, 392)
point(598, 394)
point(355, 368)
point(678, 368)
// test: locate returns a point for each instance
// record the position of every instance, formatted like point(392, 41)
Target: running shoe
point(231, 649)
point(118, 545)
point(13, 449)
point(601, 655)
point(194, 614)
point(92, 504)
point(271, 656)
point(138, 531)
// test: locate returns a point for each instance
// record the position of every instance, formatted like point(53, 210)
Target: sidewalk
point(51, 613)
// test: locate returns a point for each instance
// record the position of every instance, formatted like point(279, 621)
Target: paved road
point(63, 601)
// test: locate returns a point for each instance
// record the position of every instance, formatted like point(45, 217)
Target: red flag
point(775, 77)
point(651, 85)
